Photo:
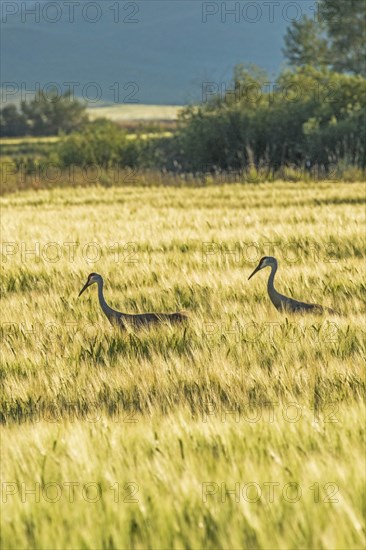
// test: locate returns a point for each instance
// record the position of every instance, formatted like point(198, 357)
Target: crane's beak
point(84, 288)
point(255, 271)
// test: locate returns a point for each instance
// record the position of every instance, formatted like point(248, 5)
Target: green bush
point(310, 118)
point(309, 124)
point(101, 143)
point(45, 115)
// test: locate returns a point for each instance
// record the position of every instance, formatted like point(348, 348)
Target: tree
point(305, 45)
point(336, 39)
point(12, 123)
point(101, 143)
point(310, 116)
point(346, 26)
point(50, 114)
point(45, 115)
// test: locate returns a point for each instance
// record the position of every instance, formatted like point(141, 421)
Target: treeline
point(306, 118)
point(48, 114)
point(334, 38)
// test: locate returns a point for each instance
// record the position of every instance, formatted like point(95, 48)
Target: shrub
point(101, 143)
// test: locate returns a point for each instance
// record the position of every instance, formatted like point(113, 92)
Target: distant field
point(34, 140)
point(125, 112)
point(243, 430)
point(27, 145)
point(28, 140)
point(129, 116)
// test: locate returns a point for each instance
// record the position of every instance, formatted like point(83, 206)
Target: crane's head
point(92, 278)
point(266, 261)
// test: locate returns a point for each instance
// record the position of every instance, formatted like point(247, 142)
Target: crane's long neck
point(270, 284)
point(275, 296)
point(111, 314)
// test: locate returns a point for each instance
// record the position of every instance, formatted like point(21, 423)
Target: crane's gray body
point(281, 302)
point(123, 320)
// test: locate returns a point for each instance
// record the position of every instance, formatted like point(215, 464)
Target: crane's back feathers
point(284, 303)
point(125, 319)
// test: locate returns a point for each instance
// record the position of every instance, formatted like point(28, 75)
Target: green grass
point(243, 395)
point(30, 146)
point(28, 140)
point(41, 146)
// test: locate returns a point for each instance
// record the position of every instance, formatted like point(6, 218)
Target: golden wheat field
point(243, 429)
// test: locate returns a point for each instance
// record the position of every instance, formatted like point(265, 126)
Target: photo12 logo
point(53, 252)
point(69, 491)
point(256, 11)
point(271, 92)
point(268, 492)
point(70, 174)
point(88, 92)
point(291, 252)
point(55, 412)
point(69, 12)
point(269, 412)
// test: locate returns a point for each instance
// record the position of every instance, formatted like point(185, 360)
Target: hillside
point(167, 53)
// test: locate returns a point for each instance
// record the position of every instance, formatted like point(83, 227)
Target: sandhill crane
point(283, 303)
point(124, 319)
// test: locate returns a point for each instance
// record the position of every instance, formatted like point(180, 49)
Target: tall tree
point(336, 37)
point(44, 115)
point(12, 123)
point(346, 26)
point(305, 44)
point(49, 114)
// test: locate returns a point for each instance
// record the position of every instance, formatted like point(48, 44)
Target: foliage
point(346, 22)
point(334, 38)
point(45, 115)
point(101, 143)
point(304, 44)
point(310, 118)
point(12, 122)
